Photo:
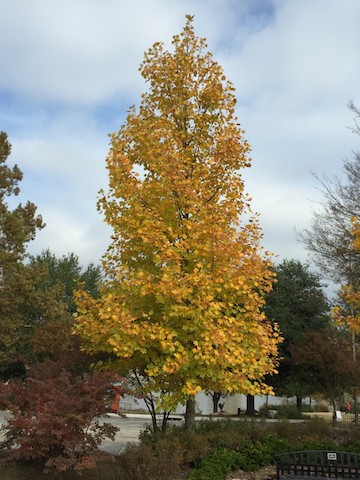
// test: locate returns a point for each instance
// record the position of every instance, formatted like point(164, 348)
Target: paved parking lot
point(130, 428)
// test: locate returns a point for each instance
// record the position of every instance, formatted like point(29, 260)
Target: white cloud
point(65, 232)
point(309, 50)
point(84, 51)
point(70, 71)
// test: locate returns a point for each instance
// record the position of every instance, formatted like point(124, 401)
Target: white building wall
point(232, 403)
point(204, 404)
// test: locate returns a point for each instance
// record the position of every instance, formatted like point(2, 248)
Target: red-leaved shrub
point(54, 416)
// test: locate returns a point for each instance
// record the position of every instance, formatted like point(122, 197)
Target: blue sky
point(69, 72)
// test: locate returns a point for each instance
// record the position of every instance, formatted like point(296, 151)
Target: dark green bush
point(321, 407)
point(251, 457)
point(289, 411)
point(194, 444)
point(306, 408)
point(230, 433)
point(216, 447)
point(309, 430)
point(215, 466)
point(354, 446)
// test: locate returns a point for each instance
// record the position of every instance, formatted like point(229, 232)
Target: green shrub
point(250, 457)
point(215, 466)
point(152, 462)
point(216, 447)
point(354, 446)
point(321, 407)
point(306, 408)
point(194, 444)
point(290, 410)
point(230, 433)
point(283, 411)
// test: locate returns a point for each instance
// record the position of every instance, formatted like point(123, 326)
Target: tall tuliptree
point(187, 276)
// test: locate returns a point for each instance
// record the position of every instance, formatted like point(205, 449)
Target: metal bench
point(321, 464)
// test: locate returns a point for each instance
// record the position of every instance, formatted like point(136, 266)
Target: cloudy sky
point(69, 72)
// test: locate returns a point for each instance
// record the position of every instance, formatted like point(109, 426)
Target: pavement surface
point(130, 428)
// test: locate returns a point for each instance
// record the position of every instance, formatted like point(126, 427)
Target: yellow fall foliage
point(187, 275)
point(350, 294)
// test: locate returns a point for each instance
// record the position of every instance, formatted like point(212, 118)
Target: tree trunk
point(165, 419)
point(216, 398)
point(355, 389)
point(149, 400)
point(190, 413)
point(150, 404)
point(334, 411)
point(299, 404)
point(250, 405)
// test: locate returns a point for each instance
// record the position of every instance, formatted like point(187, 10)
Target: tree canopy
point(347, 312)
point(18, 227)
point(68, 273)
point(299, 306)
point(186, 272)
point(326, 365)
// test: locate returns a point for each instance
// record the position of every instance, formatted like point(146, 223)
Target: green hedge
point(250, 457)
